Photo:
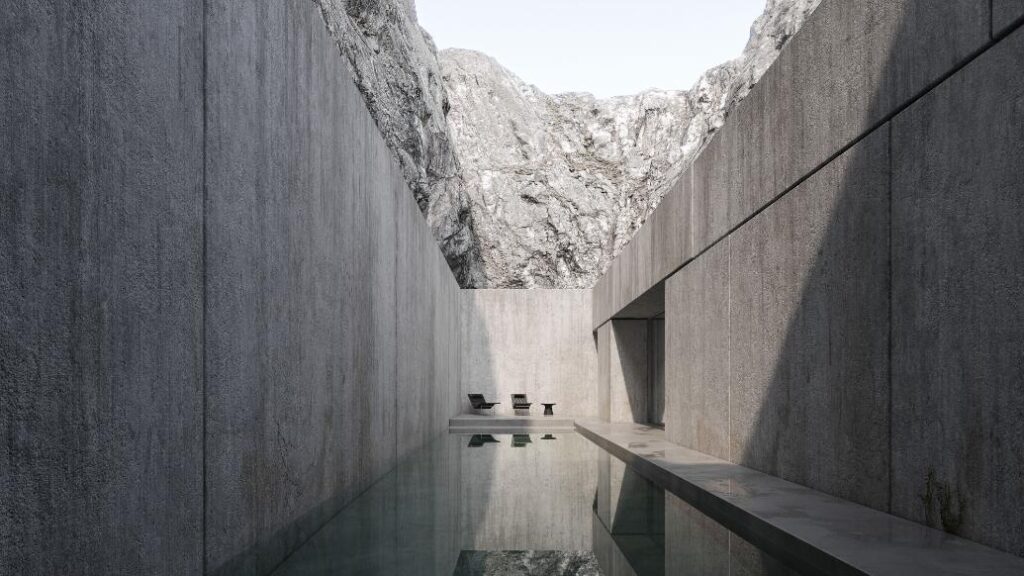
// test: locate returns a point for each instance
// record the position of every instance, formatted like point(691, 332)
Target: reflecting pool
point(539, 503)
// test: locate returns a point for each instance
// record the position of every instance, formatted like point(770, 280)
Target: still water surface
point(458, 506)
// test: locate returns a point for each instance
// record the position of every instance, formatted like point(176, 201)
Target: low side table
point(548, 408)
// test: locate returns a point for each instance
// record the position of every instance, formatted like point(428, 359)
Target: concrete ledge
point(809, 530)
point(498, 423)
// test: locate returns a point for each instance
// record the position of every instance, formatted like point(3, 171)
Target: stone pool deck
point(502, 422)
point(809, 530)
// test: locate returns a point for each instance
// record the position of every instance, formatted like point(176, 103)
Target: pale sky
point(605, 47)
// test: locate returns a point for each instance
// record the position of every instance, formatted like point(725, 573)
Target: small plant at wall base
point(951, 517)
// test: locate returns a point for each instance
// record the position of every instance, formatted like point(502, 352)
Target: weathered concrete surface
point(101, 288)
point(656, 356)
point(631, 370)
point(813, 532)
point(808, 324)
point(958, 288)
point(851, 65)
point(697, 379)
point(536, 342)
point(327, 335)
point(603, 340)
point(1006, 13)
point(634, 273)
point(672, 228)
point(414, 395)
point(300, 282)
point(781, 329)
point(628, 371)
point(627, 286)
point(812, 291)
point(283, 333)
point(601, 295)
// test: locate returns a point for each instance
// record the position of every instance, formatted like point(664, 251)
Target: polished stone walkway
point(809, 530)
point(486, 422)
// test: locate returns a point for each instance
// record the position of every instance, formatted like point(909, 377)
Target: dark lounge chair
point(479, 403)
point(519, 402)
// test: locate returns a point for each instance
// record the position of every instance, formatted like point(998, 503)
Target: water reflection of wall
point(628, 520)
point(407, 523)
point(642, 530)
point(534, 497)
point(696, 544)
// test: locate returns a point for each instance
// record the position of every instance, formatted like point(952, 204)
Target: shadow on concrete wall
point(477, 373)
point(809, 330)
point(631, 343)
point(859, 387)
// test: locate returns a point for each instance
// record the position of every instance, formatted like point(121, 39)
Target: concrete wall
point(843, 289)
point(101, 288)
point(625, 395)
point(1005, 14)
point(957, 294)
point(800, 115)
point(223, 316)
point(537, 342)
point(778, 336)
point(329, 308)
point(631, 371)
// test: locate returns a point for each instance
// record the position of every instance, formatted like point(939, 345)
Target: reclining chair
point(478, 402)
point(519, 402)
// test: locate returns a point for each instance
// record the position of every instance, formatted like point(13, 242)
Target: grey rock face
point(527, 563)
point(525, 189)
point(394, 63)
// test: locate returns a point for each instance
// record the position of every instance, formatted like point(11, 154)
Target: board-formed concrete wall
point(958, 299)
point(777, 337)
point(1006, 13)
point(536, 342)
point(330, 310)
point(852, 65)
point(626, 370)
point(222, 313)
point(843, 297)
point(101, 288)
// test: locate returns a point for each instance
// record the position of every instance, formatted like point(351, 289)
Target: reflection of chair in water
point(479, 440)
point(519, 402)
point(520, 440)
point(478, 402)
point(548, 437)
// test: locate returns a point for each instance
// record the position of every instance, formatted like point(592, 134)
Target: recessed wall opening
point(631, 363)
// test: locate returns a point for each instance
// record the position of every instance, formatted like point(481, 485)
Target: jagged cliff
point(394, 63)
point(522, 188)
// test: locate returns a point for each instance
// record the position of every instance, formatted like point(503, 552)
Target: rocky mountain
point(394, 63)
point(525, 189)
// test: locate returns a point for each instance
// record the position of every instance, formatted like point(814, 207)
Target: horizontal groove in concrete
point(612, 312)
point(809, 530)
